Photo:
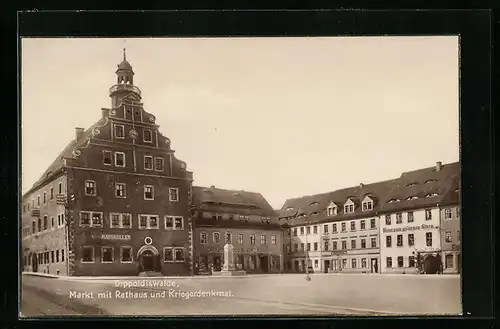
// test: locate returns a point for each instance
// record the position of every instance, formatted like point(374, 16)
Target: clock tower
point(124, 84)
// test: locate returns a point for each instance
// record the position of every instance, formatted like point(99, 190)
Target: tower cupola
point(125, 82)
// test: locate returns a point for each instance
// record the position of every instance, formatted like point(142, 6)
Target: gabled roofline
point(58, 173)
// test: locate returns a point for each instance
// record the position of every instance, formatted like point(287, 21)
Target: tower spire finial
point(124, 54)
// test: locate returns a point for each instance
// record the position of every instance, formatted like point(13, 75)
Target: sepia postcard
point(240, 176)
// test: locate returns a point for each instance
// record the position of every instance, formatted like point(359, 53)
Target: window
point(315, 246)
point(353, 263)
point(159, 163)
point(273, 239)
point(296, 247)
point(388, 262)
point(411, 240)
point(410, 217)
point(344, 263)
point(174, 223)
point(45, 222)
point(90, 188)
point(331, 211)
point(39, 224)
point(119, 131)
point(400, 261)
point(353, 226)
point(348, 208)
point(447, 213)
point(107, 255)
point(120, 191)
point(119, 159)
point(308, 230)
point(85, 218)
point(148, 222)
point(447, 236)
point(52, 256)
point(44, 197)
point(344, 227)
point(59, 186)
point(325, 228)
point(315, 229)
point(411, 261)
point(168, 254)
point(399, 218)
point(387, 219)
point(57, 256)
point(295, 232)
point(372, 223)
point(448, 261)
point(316, 263)
point(203, 238)
point(231, 217)
point(428, 239)
point(399, 241)
point(363, 224)
point(87, 254)
point(263, 239)
point(334, 245)
point(148, 192)
point(325, 245)
point(363, 263)
point(38, 201)
point(344, 244)
point(216, 237)
point(126, 254)
point(240, 238)
point(368, 205)
point(179, 255)
point(428, 214)
point(457, 210)
point(51, 193)
point(52, 222)
point(374, 242)
point(229, 238)
point(388, 241)
point(106, 158)
point(363, 243)
point(148, 162)
point(334, 228)
point(120, 220)
point(353, 244)
point(302, 247)
point(308, 246)
point(147, 136)
point(173, 194)
point(252, 238)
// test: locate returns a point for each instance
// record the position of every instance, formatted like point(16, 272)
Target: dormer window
point(315, 213)
point(412, 197)
point(289, 208)
point(393, 200)
point(430, 181)
point(430, 195)
point(313, 203)
point(411, 184)
point(367, 204)
point(331, 210)
point(349, 206)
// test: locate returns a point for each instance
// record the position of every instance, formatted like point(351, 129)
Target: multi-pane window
point(362, 224)
point(399, 218)
point(296, 247)
point(168, 254)
point(179, 254)
point(344, 244)
point(302, 247)
point(203, 238)
point(87, 254)
point(353, 263)
point(387, 219)
point(295, 232)
point(148, 192)
point(348, 208)
point(428, 239)
point(368, 205)
point(372, 223)
point(173, 194)
point(315, 229)
point(106, 158)
point(447, 237)
point(388, 262)
point(428, 214)
point(334, 228)
point(148, 136)
point(90, 188)
point(410, 217)
point(400, 261)
point(325, 228)
point(119, 131)
point(148, 162)
point(120, 190)
point(374, 242)
point(447, 213)
point(363, 243)
point(107, 255)
point(263, 239)
point(88, 218)
point(411, 239)
point(174, 223)
point(252, 238)
point(308, 230)
point(229, 238)
point(353, 226)
point(126, 254)
point(315, 246)
point(216, 237)
point(119, 159)
point(332, 211)
point(334, 245)
point(399, 242)
point(448, 261)
point(353, 244)
point(273, 239)
point(363, 263)
point(308, 246)
point(388, 241)
point(148, 222)
point(240, 238)
point(411, 261)
point(120, 220)
point(159, 163)
point(57, 256)
point(344, 225)
point(325, 245)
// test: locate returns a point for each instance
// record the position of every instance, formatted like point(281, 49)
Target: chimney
point(213, 186)
point(439, 165)
point(79, 133)
point(361, 184)
point(105, 112)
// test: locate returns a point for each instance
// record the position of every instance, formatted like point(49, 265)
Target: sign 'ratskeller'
point(409, 228)
point(112, 237)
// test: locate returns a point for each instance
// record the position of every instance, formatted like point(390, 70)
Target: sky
point(285, 117)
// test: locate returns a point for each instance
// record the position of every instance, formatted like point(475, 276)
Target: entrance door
point(217, 263)
point(264, 263)
point(34, 263)
point(148, 260)
point(327, 266)
point(374, 265)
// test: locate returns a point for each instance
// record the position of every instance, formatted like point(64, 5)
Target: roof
point(67, 152)
point(313, 207)
point(125, 65)
point(238, 201)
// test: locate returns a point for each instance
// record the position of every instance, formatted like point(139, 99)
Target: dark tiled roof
point(231, 201)
point(236, 224)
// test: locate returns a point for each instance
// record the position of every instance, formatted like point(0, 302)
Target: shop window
point(87, 254)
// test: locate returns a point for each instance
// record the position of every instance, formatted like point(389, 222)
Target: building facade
point(244, 219)
point(124, 201)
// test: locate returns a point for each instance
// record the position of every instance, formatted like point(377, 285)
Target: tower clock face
point(133, 134)
point(152, 118)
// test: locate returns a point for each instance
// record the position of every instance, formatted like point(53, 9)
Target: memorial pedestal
point(229, 269)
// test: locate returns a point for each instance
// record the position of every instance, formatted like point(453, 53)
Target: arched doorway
point(34, 262)
point(148, 257)
point(432, 264)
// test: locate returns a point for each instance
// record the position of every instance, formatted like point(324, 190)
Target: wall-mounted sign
point(235, 250)
point(112, 237)
point(409, 228)
point(338, 252)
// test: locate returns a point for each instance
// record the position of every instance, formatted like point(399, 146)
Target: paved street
point(330, 294)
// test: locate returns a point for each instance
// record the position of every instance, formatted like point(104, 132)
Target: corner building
point(244, 219)
point(125, 201)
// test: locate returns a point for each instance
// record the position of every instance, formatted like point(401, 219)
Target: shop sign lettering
point(235, 250)
point(112, 237)
point(409, 228)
